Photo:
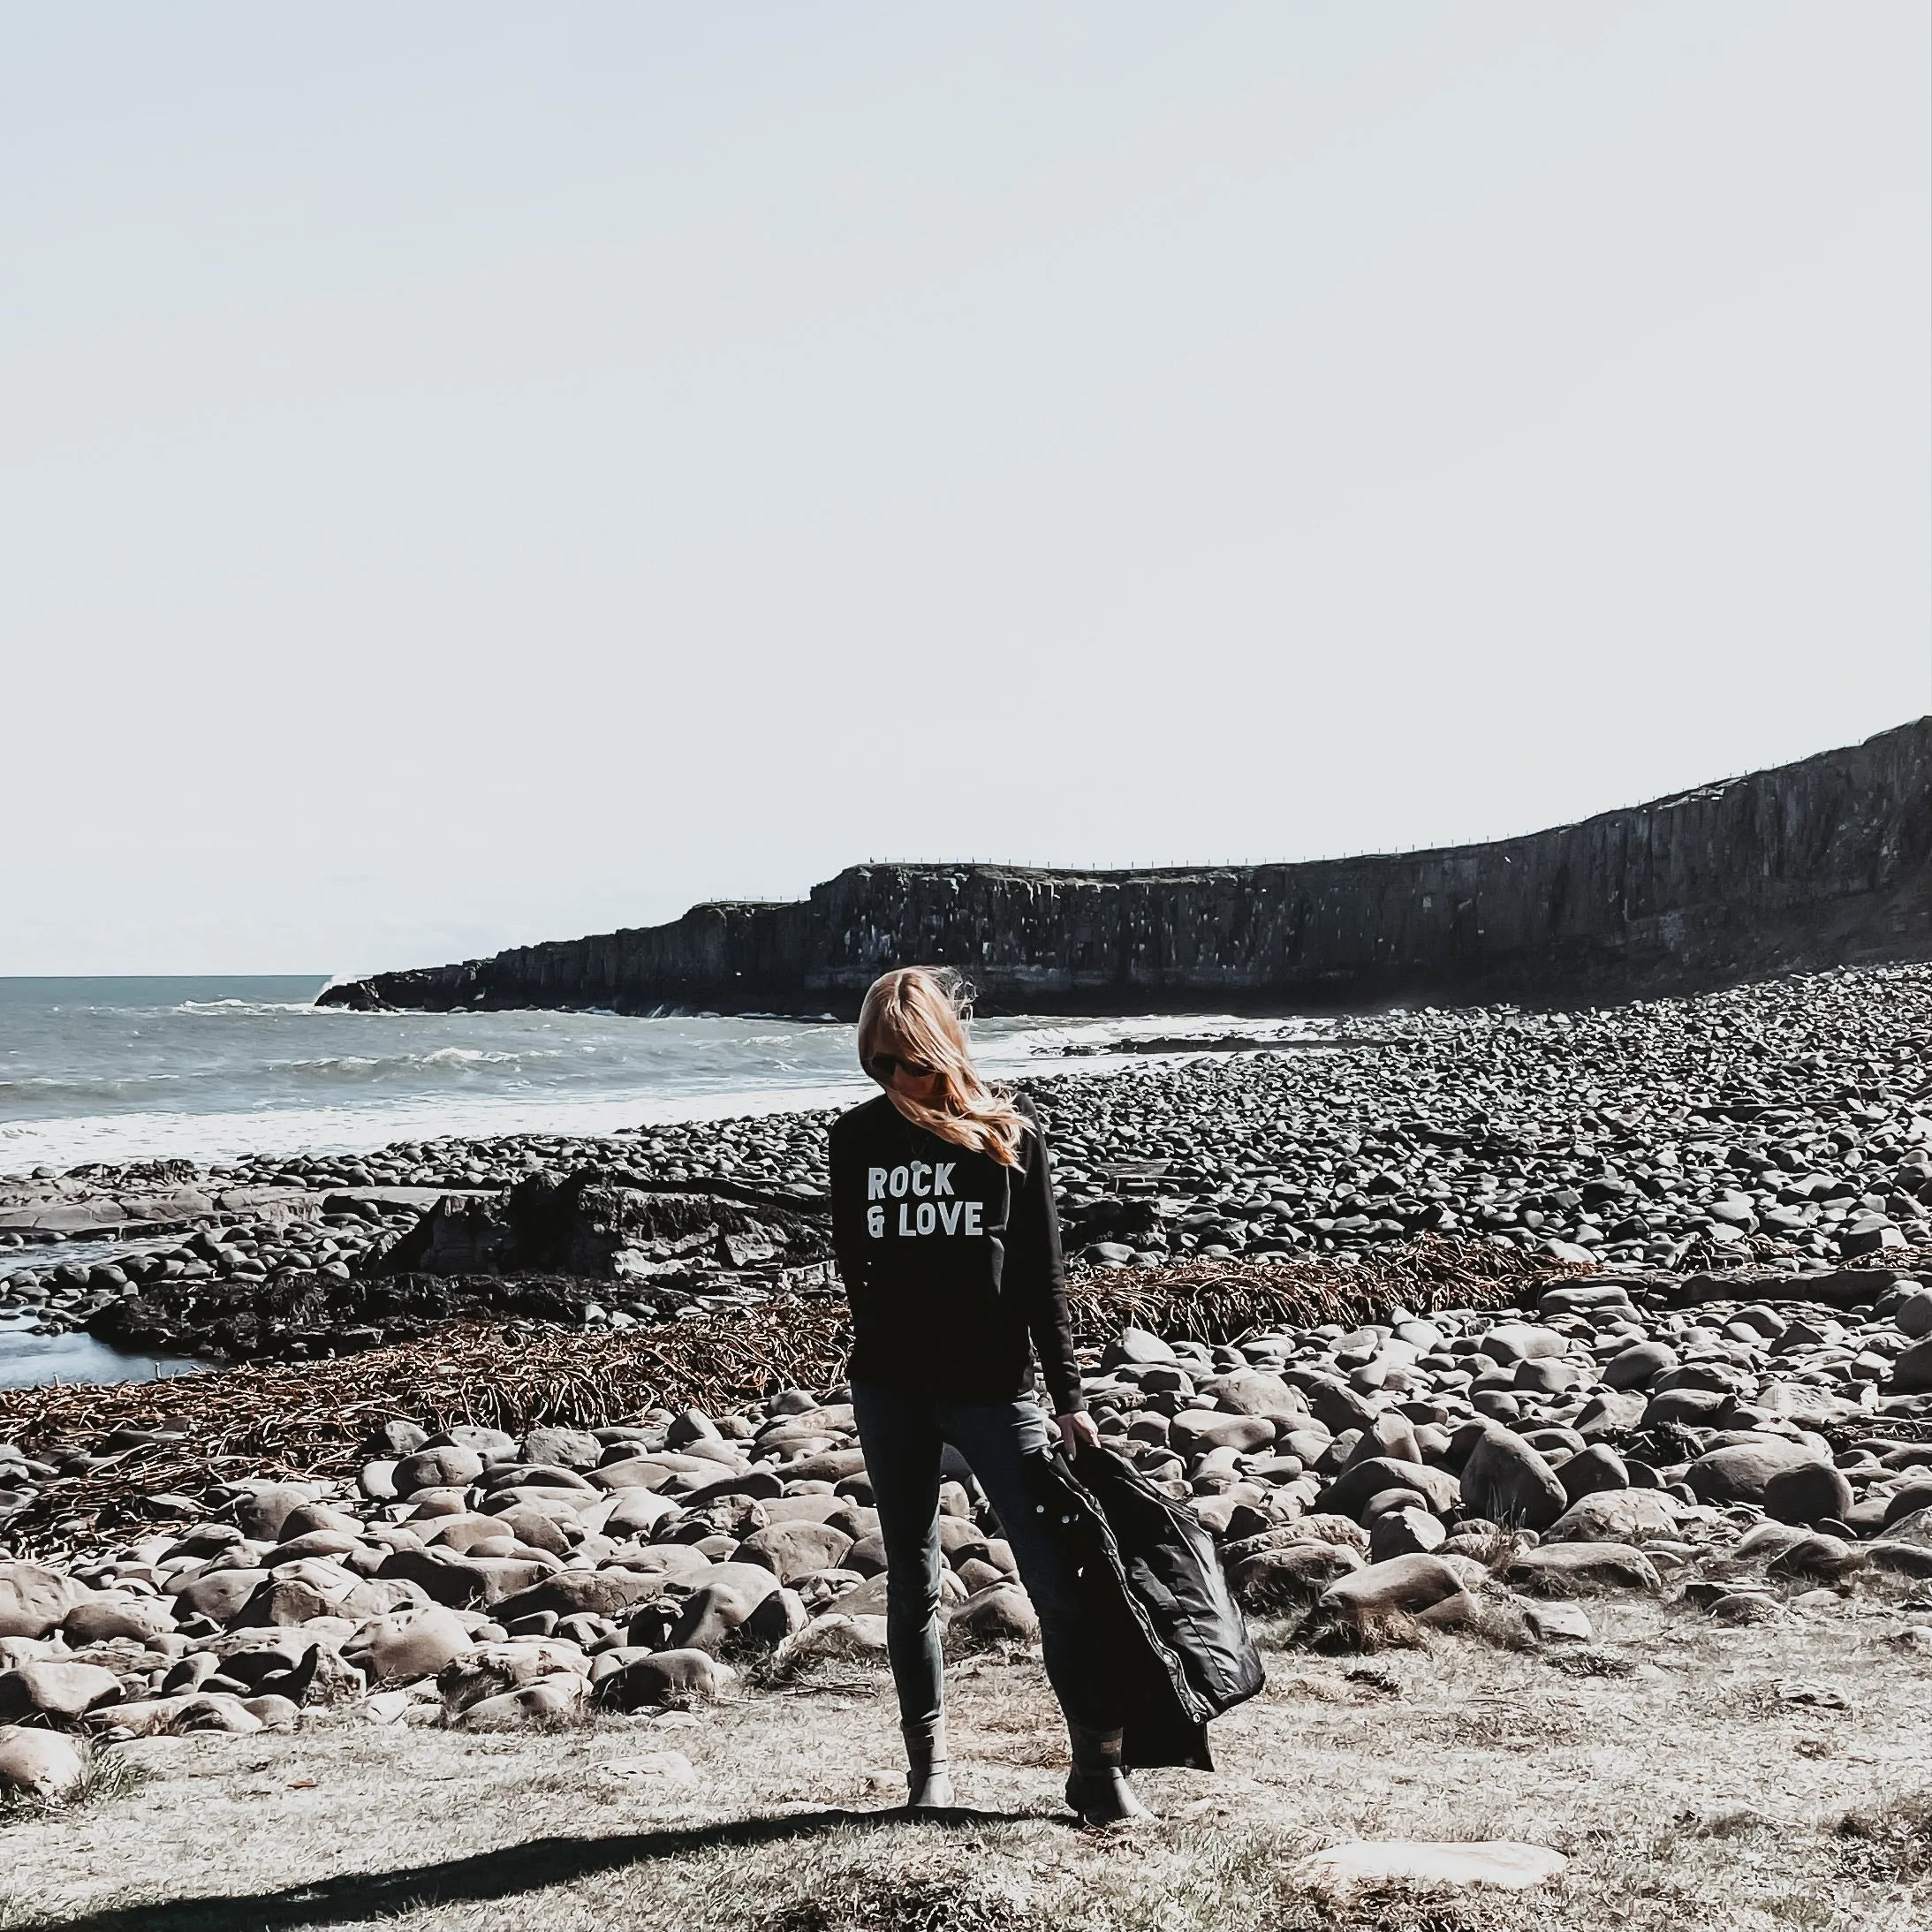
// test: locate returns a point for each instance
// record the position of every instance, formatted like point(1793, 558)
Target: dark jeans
point(903, 1437)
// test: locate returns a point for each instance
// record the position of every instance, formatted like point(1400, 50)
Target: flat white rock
point(1368, 1861)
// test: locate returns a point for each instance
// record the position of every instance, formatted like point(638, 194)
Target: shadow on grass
point(514, 1869)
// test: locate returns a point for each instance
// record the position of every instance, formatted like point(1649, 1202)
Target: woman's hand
point(1078, 1431)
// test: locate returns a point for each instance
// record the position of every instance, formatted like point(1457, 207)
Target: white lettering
point(920, 1169)
point(973, 1211)
point(905, 1230)
point(875, 1183)
point(897, 1183)
point(875, 1217)
point(948, 1217)
point(925, 1217)
point(943, 1177)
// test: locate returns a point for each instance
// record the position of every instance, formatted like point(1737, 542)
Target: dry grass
point(106, 1776)
point(1685, 1799)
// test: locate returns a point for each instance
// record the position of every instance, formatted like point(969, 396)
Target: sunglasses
point(883, 1066)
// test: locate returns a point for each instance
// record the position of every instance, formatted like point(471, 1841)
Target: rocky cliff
point(1824, 862)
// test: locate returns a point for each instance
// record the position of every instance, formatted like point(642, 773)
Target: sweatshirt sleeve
point(848, 1210)
point(1038, 1272)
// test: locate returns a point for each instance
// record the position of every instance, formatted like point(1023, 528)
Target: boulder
point(409, 1644)
point(1911, 1372)
point(1391, 1435)
point(835, 1634)
point(1900, 1558)
point(1639, 1365)
point(1505, 1864)
point(103, 1618)
point(1508, 1482)
point(1405, 1532)
point(1687, 1408)
point(1356, 1487)
point(1136, 1348)
point(563, 1448)
point(541, 1705)
point(535, 1529)
point(492, 1669)
point(1196, 1430)
point(1611, 1411)
point(1273, 1582)
point(1464, 1610)
point(1819, 1559)
point(793, 1550)
point(464, 1582)
point(730, 1594)
point(210, 1710)
point(1740, 1472)
point(143, 1717)
point(1913, 1526)
point(1557, 1622)
point(217, 1595)
point(1616, 1516)
point(1403, 1584)
point(450, 1468)
point(38, 1763)
point(468, 1533)
point(34, 1600)
point(289, 1601)
point(1807, 1492)
point(272, 1712)
point(576, 1593)
point(630, 1513)
point(671, 1676)
point(1512, 1342)
point(1591, 1471)
point(1003, 1614)
point(492, 1444)
point(260, 1514)
point(1563, 1569)
point(783, 1614)
point(1254, 1391)
point(57, 1693)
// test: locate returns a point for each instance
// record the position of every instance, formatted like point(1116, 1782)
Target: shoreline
point(1780, 1126)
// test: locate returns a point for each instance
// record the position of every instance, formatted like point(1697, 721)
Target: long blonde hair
point(920, 1013)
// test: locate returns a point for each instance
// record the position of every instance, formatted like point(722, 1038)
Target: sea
point(208, 1069)
point(126, 1069)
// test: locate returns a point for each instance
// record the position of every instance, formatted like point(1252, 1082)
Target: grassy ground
point(1771, 1776)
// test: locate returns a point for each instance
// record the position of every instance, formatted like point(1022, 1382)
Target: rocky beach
point(1596, 1337)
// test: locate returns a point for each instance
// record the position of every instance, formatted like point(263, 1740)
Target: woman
point(943, 1221)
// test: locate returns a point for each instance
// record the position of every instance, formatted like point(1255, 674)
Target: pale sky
point(474, 473)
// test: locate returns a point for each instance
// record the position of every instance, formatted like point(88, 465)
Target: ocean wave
point(38, 1087)
point(365, 1126)
point(222, 1007)
point(360, 1064)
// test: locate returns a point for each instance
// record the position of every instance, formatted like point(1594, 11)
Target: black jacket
point(1178, 1649)
point(951, 1262)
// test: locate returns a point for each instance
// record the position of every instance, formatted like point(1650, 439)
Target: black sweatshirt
point(951, 1262)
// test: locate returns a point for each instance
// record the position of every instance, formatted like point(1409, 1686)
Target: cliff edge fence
point(1824, 862)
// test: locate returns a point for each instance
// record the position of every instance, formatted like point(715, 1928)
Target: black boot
point(928, 1778)
point(1096, 1787)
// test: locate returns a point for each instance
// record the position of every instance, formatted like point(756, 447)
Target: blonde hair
point(920, 1014)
